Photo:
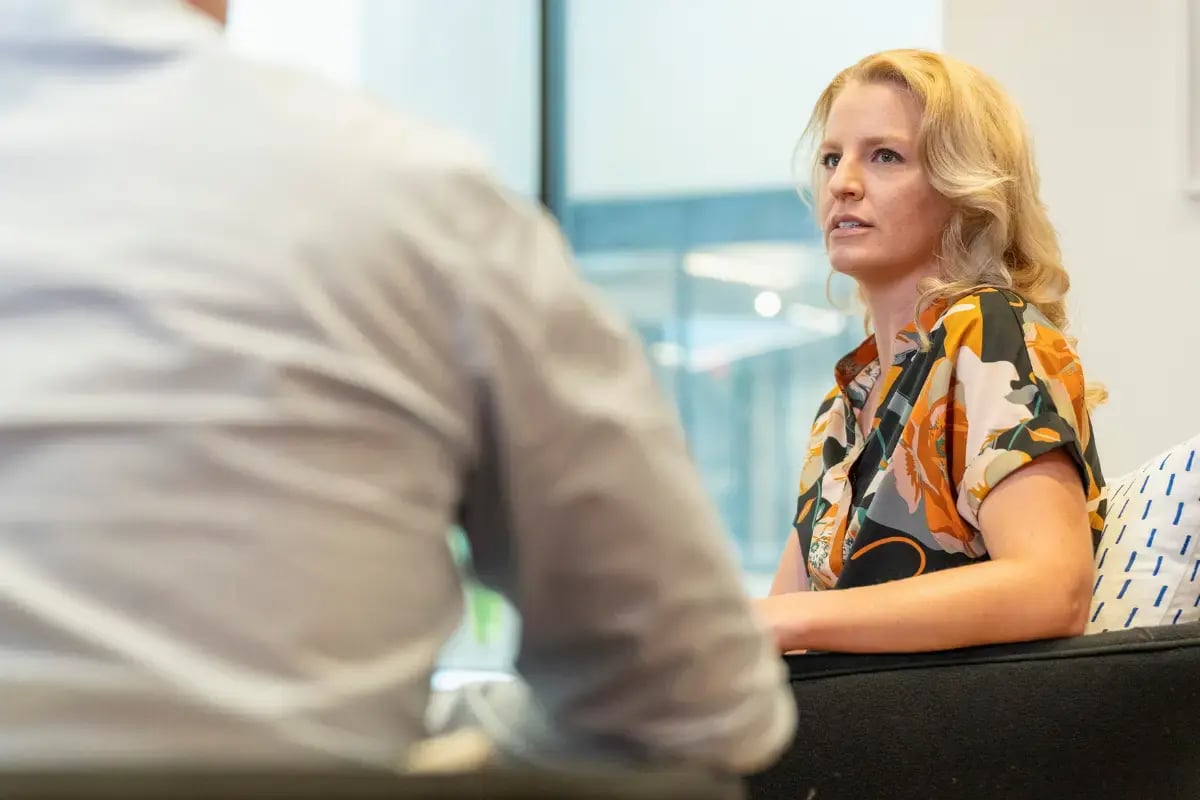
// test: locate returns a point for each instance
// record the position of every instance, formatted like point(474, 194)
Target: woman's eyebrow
point(870, 141)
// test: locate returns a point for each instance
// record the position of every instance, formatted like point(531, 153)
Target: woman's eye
point(830, 160)
point(886, 156)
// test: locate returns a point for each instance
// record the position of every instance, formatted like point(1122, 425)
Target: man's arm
point(637, 640)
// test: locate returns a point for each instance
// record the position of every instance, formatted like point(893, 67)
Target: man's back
point(258, 337)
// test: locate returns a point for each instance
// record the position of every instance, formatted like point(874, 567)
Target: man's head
point(217, 9)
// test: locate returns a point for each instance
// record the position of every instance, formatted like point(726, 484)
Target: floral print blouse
point(998, 386)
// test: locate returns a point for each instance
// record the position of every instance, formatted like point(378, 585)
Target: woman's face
point(882, 219)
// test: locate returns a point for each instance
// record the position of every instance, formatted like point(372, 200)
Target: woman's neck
point(892, 306)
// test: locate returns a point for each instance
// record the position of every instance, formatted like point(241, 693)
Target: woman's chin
point(850, 267)
point(860, 265)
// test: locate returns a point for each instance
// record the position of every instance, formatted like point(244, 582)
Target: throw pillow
point(1148, 562)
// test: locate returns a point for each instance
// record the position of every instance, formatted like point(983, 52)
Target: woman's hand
point(779, 614)
point(768, 614)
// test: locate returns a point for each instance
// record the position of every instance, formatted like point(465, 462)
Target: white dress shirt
point(261, 342)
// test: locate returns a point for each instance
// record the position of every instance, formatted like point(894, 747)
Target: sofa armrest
point(1112, 715)
point(1131, 640)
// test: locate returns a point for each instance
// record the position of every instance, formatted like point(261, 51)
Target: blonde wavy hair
point(975, 148)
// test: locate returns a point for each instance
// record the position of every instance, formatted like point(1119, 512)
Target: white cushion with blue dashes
point(1148, 563)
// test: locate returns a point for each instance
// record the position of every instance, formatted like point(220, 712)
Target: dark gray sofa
point(1113, 715)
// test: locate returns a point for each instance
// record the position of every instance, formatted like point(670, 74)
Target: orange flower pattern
point(997, 387)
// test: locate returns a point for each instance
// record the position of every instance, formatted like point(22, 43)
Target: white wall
point(1099, 85)
point(468, 64)
point(669, 96)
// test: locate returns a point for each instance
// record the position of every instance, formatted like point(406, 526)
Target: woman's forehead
point(877, 111)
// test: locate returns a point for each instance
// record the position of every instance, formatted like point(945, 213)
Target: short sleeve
point(1018, 392)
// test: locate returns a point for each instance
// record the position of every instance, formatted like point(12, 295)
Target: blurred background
point(660, 133)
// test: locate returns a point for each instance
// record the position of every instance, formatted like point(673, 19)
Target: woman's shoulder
point(995, 308)
point(1000, 316)
point(828, 402)
point(999, 325)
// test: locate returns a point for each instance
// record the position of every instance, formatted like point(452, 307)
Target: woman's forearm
point(992, 602)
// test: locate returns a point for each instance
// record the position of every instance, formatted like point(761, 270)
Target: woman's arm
point(1037, 584)
point(791, 576)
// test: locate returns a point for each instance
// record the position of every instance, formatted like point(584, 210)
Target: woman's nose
point(846, 181)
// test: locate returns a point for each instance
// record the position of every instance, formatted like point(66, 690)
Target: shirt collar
point(133, 24)
point(908, 341)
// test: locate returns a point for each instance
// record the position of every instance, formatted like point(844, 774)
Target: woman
point(953, 496)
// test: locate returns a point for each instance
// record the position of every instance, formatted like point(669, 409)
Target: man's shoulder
point(350, 124)
point(363, 167)
point(366, 161)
